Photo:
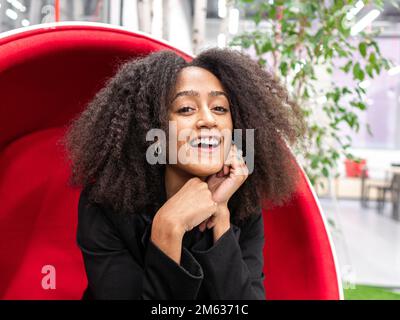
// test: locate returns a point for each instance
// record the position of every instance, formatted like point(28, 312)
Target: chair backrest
point(48, 73)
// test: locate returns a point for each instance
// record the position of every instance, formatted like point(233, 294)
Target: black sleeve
point(233, 269)
point(113, 272)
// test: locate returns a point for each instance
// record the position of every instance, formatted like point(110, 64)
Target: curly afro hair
point(106, 143)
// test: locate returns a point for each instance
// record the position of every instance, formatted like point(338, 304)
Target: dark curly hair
point(107, 144)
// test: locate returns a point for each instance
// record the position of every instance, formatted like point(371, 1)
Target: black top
point(122, 262)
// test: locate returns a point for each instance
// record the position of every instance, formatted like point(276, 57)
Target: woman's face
point(201, 113)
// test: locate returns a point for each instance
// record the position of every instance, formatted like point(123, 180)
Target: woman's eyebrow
point(194, 93)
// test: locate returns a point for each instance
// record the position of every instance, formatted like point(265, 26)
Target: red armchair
point(47, 75)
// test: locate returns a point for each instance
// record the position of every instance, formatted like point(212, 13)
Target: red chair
point(48, 73)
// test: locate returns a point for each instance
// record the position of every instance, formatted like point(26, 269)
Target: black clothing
point(122, 262)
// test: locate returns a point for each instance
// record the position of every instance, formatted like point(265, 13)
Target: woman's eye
point(221, 109)
point(185, 109)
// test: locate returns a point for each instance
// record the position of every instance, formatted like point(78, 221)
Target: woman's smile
point(206, 144)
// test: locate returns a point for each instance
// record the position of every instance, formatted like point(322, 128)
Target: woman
point(190, 228)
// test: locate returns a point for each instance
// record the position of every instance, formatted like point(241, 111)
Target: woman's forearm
point(168, 237)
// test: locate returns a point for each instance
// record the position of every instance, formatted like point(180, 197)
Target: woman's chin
point(203, 169)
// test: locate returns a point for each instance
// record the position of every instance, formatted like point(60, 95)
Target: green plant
point(302, 40)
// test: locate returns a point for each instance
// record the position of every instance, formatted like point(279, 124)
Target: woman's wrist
point(169, 221)
point(222, 222)
point(168, 238)
point(165, 228)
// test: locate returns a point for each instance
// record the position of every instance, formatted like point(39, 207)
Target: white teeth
point(206, 140)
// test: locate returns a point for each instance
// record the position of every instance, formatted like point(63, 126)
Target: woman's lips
point(207, 149)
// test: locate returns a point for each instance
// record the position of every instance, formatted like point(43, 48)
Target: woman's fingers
point(238, 165)
point(227, 164)
point(208, 223)
point(211, 222)
point(225, 170)
point(221, 173)
point(202, 226)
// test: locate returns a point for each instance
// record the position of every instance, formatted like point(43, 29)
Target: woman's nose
point(206, 119)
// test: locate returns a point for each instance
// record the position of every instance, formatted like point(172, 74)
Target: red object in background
point(354, 169)
point(48, 73)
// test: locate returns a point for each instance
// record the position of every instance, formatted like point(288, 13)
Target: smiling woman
point(201, 111)
point(190, 229)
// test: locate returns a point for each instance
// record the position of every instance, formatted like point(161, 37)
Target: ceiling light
point(365, 21)
point(11, 14)
point(222, 8)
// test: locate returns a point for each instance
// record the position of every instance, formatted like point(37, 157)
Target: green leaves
point(372, 58)
point(362, 47)
point(267, 46)
point(359, 105)
point(369, 70)
point(283, 67)
point(352, 120)
point(325, 172)
point(358, 73)
point(305, 37)
point(347, 66)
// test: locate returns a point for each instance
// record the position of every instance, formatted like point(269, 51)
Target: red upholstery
point(47, 74)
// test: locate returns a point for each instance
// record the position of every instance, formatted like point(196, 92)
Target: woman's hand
point(187, 208)
point(224, 184)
